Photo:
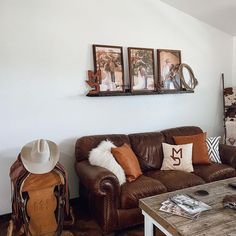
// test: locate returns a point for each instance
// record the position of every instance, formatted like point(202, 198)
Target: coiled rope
point(192, 83)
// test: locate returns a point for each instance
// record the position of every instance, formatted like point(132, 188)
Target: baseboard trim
point(7, 217)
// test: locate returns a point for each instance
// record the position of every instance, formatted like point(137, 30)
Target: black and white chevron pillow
point(213, 149)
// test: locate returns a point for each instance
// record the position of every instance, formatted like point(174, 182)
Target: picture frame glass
point(141, 69)
point(109, 59)
point(168, 61)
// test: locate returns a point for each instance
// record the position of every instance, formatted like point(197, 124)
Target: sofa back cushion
point(148, 149)
point(85, 144)
point(180, 131)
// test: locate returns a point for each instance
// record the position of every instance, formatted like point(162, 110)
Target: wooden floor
point(84, 226)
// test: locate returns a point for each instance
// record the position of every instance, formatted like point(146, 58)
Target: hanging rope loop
point(192, 83)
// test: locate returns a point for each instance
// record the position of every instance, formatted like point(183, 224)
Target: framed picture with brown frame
point(109, 60)
point(141, 69)
point(168, 62)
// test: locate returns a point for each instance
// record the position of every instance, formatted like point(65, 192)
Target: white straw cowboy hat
point(40, 156)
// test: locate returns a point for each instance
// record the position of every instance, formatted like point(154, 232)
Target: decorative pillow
point(200, 152)
point(128, 160)
point(177, 157)
point(102, 156)
point(213, 148)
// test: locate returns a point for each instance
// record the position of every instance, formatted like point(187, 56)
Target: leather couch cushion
point(175, 179)
point(181, 131)
point(85, 144)
point(214, 171)
point(200, 151)
point(125, 156)
point(148, 149)
point(142, 187)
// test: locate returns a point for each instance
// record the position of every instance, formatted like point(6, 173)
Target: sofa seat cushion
point(142, 187)
point(175, 179)
point(214, 171)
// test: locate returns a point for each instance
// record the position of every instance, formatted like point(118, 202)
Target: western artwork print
point(109, 60)
point(141, 69)
point(168, 62)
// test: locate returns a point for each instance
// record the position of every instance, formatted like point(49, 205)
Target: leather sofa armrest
point(104, 191)
point(98, 180)
point(228, 155)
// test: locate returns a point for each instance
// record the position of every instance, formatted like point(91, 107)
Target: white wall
point(45, 51)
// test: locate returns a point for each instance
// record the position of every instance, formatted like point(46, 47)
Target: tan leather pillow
point(125, 156)
point(200, 152)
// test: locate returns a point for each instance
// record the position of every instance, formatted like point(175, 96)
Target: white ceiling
point(218, 13)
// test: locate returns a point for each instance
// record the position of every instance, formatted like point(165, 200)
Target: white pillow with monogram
point(177, 157)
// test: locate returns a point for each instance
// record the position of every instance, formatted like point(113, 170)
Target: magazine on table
point(170, 207)
point(184, 205)
point(189, 204)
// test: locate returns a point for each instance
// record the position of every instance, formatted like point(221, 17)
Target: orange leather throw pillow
point(200, 151)
point(125, 156)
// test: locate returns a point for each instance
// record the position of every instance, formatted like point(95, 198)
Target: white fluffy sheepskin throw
point(102, 156)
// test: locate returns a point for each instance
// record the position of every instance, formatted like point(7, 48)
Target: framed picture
point(168, 61)
point(109, 59)
point(141, 69)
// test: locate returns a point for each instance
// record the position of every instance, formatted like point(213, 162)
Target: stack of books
point(185, 206)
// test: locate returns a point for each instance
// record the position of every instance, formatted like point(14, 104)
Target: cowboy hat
point(40, 156)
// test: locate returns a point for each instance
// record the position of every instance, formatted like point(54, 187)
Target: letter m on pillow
point(176, 156)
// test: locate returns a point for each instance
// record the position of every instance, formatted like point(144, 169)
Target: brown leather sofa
point(115, 207)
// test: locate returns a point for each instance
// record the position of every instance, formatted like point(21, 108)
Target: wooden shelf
point(128, 93)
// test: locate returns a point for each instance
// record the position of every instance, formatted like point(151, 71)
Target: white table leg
point(149, 222)
point(148, 226)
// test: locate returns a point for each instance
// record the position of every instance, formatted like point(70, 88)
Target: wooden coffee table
point(218, 221)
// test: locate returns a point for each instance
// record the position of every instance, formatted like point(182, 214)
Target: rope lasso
point(192, 82)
